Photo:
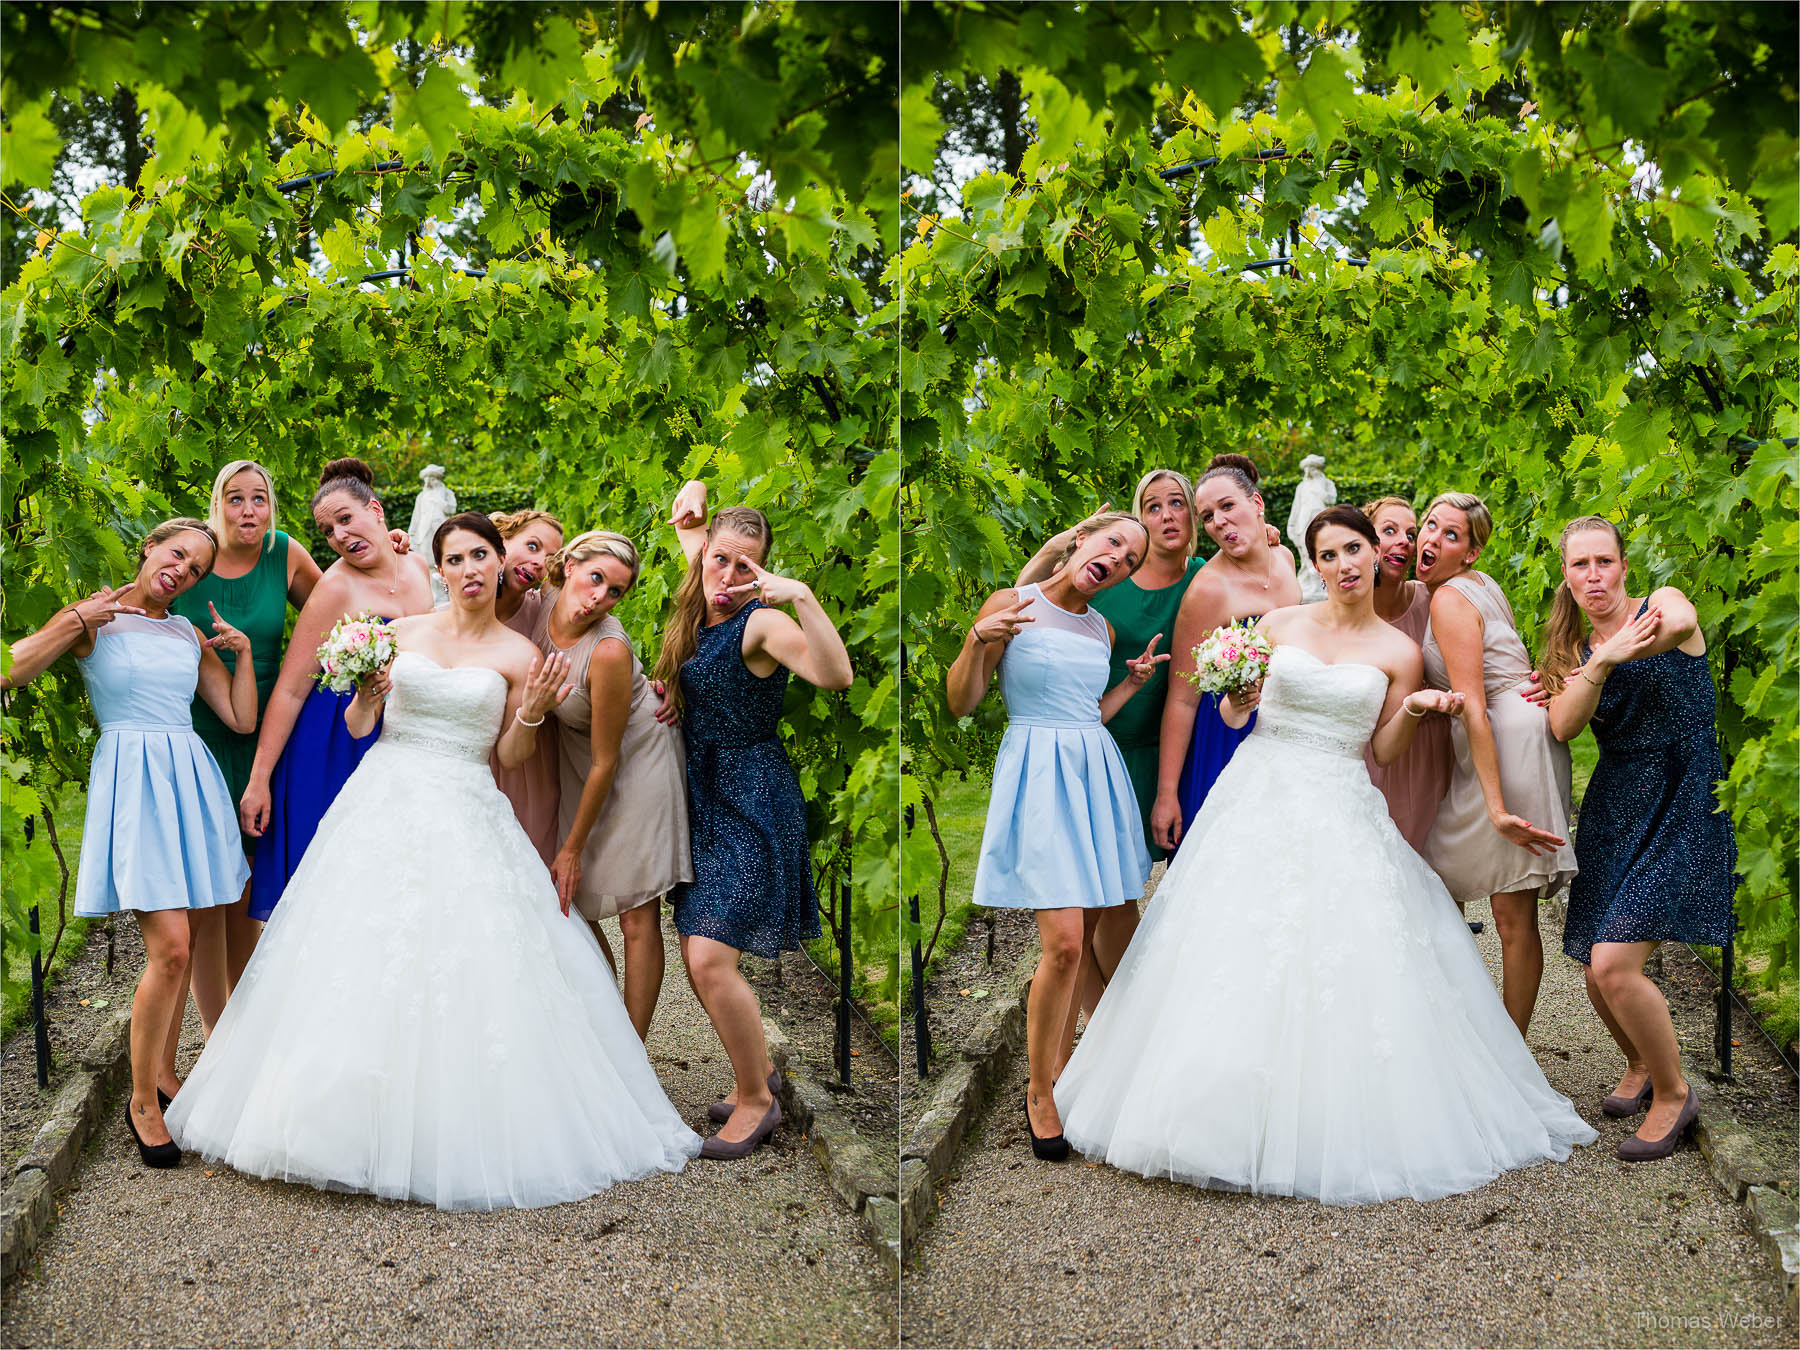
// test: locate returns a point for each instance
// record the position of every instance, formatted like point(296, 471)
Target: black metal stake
point(921, 1026)
point(39, 1025)
point(843, 1004)
point(1722, 1024)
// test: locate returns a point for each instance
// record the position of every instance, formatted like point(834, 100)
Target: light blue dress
point(1063, 827)
point(161, 831)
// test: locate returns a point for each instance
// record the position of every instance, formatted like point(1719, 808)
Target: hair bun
point(347, 468)
point(1242, 463)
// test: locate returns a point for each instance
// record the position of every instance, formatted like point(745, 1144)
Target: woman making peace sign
point(726, 656)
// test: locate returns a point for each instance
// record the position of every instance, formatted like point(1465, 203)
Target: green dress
point(1137, 615)
point(257, 604)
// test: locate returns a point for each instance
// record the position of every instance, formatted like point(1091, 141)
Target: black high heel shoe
point(1053, 1148)
point(154, 1155)
point(163, 1100)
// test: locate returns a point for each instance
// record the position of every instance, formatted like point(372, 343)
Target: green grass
point(15, 989)
point(961, 809)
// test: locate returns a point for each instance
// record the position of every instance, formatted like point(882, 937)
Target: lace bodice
point(450, 710)
point(1327, 707)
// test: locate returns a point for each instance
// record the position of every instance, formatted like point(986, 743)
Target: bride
point(1302, 1010)
point(420, 1019)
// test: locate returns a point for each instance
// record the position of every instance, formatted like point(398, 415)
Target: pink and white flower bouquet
point(358, 646)
point(1231, 657)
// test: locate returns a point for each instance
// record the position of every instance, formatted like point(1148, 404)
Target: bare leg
point(737, 1017)
point(1088, 973)
point(643, 963)
point(606, 948)
point(1643, 1015)
point(241, 933)
point(1112, 935)
point(1521, 954)
point(208, 974)
point(160, 1000)
point(1636, 1071)
point(1062, 935)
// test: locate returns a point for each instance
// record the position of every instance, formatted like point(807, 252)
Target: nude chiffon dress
point(1414, 785)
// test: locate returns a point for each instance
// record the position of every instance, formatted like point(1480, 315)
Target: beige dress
point(638, 847)
point(532, 788)
point(1474, 859)
point(1415, 784)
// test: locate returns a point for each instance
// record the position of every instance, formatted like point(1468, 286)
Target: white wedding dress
point(420, 1020)
point(1303, 1010)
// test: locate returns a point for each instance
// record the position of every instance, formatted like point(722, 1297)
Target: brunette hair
point(1244, 481)
point(510, 523)
point(172, 527)
point(1242, 463)
point(472, 521)
point(1351, 519)
point(593, 544)
point(1099, 522)
point(681, 635)
point(1568, 625)
point(346, 475)
point(215, 507)
point(1481, 520)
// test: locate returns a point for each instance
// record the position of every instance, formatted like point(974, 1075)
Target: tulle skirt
point(1303, 1012)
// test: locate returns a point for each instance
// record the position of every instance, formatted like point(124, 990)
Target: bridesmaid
point(726, 656)
point(531, 537)
point(159, 838)
point(623, 816)
point(1245, 579)
point(1415, 783)
point(1658, 857)
point(259, 572)
point(304, 751)
point(1503, 826)
point(1063, 836)
point(1141, 610)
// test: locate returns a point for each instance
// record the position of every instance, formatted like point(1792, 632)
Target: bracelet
point(980, 640)
point(519, 717)
point(1590, 679)
point(1406, 708)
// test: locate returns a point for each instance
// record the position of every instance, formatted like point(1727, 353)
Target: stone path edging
point(961, 1092)
point(49, 1163)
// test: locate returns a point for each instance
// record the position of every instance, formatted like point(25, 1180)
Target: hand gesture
point(401, 540)
point(1522, 832)
point(565, 871)
point(1272, 535)
point(666, 711)
point(1143, 667)
point(104, 605)
point(1165, 821)
point(231, 639)
point(1532, 690)
point(689, 509)
point(1422, 702)
point(1003, 624)
point(374, 689)
point(544, 687)
point(1633, 640)
point(772, 590)
point(1245, 696)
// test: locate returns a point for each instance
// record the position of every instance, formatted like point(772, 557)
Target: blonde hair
point(510, 523)
point(1382, 503)
point(593, 544)
point(1099, 522)
point(681, 635)
point(172, 527)
point(1568, 625)
point(1481, 520)
point(1179, 478)
point(215, 508)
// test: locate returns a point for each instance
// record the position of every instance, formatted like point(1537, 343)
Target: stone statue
point(1313, 495)
point(435, 504)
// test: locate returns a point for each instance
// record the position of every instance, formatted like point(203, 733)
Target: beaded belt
point(436, 745)
point(1337, 745)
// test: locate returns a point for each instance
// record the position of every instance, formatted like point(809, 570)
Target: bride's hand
point(1422, 702)
point(565, 871)
point(1522, 832)
point(544, 687)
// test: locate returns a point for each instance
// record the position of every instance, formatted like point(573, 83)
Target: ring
point(756, 585)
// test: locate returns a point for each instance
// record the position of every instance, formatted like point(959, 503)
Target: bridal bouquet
point(1230, 658)
point(359, 646)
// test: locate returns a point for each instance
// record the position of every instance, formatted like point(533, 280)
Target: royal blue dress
point(1211, 749)
point(320, 755)
point(1063, 827)
point(161, 831)
point(1658, 858)
point(753, 881)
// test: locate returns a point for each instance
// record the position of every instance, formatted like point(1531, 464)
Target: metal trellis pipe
point(843, 1000)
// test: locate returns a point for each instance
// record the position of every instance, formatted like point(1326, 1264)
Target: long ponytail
point(1568, 625)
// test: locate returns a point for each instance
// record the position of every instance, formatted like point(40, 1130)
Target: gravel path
point(1591, 1252)
point(758, 1252)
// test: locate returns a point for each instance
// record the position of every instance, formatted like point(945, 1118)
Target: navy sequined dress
point(1658, 858)
point(753, 884)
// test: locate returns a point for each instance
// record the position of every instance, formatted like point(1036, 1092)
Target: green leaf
point(29, 143)
point(1324, 94)
point(920, 130)
point(438, 107)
